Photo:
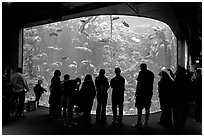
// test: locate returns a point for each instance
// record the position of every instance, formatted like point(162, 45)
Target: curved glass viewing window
point(84, 45)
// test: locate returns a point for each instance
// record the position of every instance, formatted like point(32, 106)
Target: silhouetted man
point(20, 87)
point(144, 92)
point(118, 85)
point(198, 95)
point(102, 86)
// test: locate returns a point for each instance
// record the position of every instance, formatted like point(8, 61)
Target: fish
point(65, 58)
point(54, 48)
point(75, 62)
point(44, 63)
point(72, 66)
point(106, 46)
point(59, 30)
point(83, 48)
point(57, 63)
point(83, 20)
point(125, 24)
point(115, 18)
point(102, 40)
point(53, 34)
point(85, 44)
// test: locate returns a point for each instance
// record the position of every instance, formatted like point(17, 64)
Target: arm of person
point(107, 84)
point(43, 89)
point(96, 83)
point(171, 73)
point(123, 84)
point(111, 83)
point(25, 84)
point(138, 86)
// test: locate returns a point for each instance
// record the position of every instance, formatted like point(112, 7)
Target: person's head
point(78, 81)
point(117, 71)
point(57, 73)
point(178, 67)
point(88, 78)
point(160, 73)
point(180, 72)
point(198, 71)
point(9, 71)
point(39, 81)
point(143, 66)
point(66, 77)
point(164, 75)
point(102, 72)
point(20, 70)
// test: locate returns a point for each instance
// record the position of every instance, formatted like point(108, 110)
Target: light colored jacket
point(19, 82)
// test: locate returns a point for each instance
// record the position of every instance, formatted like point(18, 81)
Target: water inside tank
point(85, 45)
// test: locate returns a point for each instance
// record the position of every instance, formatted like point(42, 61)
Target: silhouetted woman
point(165, 87)
point(55, 95)
point(66, 100)
point(88, 93)
point(181, 98)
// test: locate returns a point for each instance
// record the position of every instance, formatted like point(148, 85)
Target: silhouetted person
point(7, 96)
point(118, 85)
point(77, 96)
point(38, 90)
point(144, 92)
point(190, 75)
point(165, 87)
point(172, 74)
point(197, 85)
point(8, 73)
point(88, 93)
point(181, 98)
point(102, 86)
point(20, 88)
point(55, 95)
point(64, 98)
point(7, 86)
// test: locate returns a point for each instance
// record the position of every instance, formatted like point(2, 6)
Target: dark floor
point(38, 123)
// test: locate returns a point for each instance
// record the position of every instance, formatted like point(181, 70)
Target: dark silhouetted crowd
point(72, 97)
point(14, 87)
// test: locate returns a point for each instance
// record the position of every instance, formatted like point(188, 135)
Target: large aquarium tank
point(84, 45)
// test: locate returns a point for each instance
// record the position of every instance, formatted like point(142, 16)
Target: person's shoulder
point(141, 73)
point(15, 74)
point(35, 86)
point(98, 77)
point(149, 71)
point(122, 77)
point(105, 78)
point(113, 78)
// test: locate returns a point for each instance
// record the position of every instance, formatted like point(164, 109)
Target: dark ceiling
point(184, 18)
